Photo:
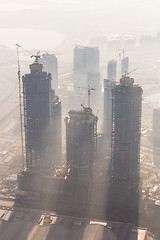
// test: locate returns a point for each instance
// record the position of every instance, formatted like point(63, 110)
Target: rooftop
point(29, 224)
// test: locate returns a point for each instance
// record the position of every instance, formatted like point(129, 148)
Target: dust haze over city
point(79, 123)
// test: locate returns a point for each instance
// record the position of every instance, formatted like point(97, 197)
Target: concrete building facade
point(124, 189)
point(124, 66)
point(112, 70)
point(108, 86)
point(50, 65)
point(85, 74)
point(126, 130)
point(86, 60)
point(81, 144)
point(42, 115)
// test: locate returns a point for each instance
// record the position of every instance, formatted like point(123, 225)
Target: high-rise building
point(108, 86)
point(42, 111)
point(36, 99)
point(156, 137)
point(126, 130)
point(124, 66)
point(112, 70)
point(81, 143)
point(86, 60)
point(125, 153)
point(86, 73)
point(50, 65)
point(56, 125)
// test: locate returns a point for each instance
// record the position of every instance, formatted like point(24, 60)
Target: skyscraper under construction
point(125, 154)
point(126, 130)
point(42, 114)
point(81, 144)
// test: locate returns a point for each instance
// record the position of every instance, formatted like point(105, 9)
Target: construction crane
point(130, 71)
point(36, 56)
point(20, 97)
point(121, 51)
point(89, 89)
point(20, 106)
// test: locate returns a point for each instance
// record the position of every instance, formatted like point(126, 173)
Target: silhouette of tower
point(86, 60)
point(126, 130)
point(50, 65)
point(108, 86)
point(86, 72)
point(124, 66)
point(125, 155)
point(39, 118)
point(112, 70)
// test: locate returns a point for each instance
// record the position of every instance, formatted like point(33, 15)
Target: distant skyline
point(82, 19)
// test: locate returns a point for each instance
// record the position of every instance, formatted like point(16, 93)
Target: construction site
point(80, 187)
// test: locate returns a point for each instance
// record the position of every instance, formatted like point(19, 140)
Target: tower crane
point(20, 98)
point(36, 56)
point(89, 89)
point(127, 74)
point(20, 106)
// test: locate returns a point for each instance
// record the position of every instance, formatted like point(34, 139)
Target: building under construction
point(126, 130)
point(42, 120)
point(81, 143)
point(125, 154)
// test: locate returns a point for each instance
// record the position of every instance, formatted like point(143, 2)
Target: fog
point(77, 18)
point(88, 139)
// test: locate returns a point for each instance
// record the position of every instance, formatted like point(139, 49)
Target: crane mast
point(89, 92)
point(20, 106)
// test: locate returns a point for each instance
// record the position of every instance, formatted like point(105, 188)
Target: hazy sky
point(81, 18)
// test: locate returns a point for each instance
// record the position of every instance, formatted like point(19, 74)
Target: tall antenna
point(20, 106)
